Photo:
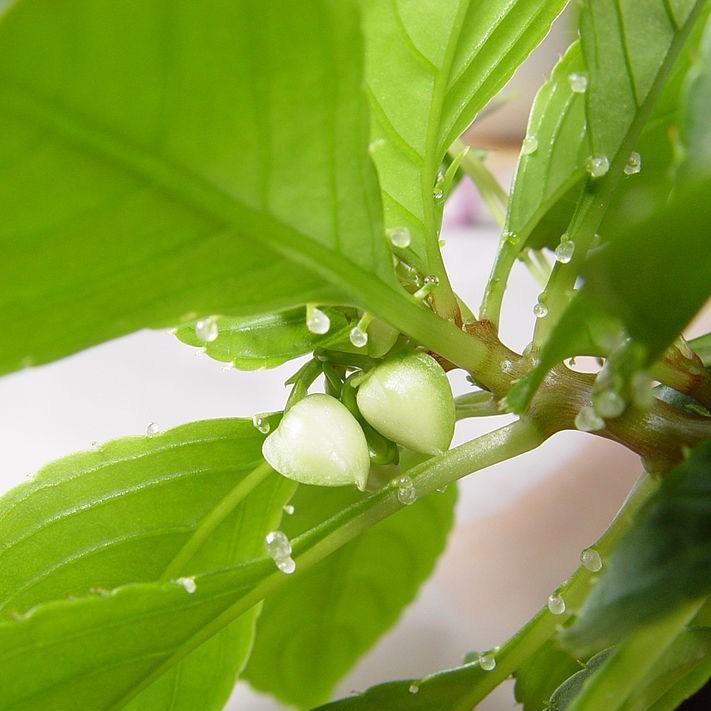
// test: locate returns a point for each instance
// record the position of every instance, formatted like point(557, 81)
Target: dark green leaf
point(663, 560)
point(541, 674)
point(311, 633)
point(266, 341)
point(702, 346)
point(121, 513)
point(149, 173)
point(683, 668)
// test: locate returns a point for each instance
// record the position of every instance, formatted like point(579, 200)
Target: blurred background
point(520, 525)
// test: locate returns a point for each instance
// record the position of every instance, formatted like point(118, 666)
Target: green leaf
point(90, 652)
point(663, 560)
point(683, 668)
point(266, 341)
point(562, 697)
point(541, 674)
point(121, 513)
point(702, 346)
point(553, 172)
point(311, 633)
point(431, 66)
point(148, 174)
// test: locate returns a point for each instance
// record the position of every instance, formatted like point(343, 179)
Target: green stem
point(476, 404)
point(319, 542)
point(215, 518)
point(627, 665)
point(574, 591)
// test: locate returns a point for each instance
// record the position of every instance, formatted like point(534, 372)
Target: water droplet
point(634, 164)
point(261, 423)
point(591, 560)
point(510, 237)
point(529, 145)
point(317, 321)
point(286, 565)
point(597, 166)
point(431, 279)
point(641, 386)
point(556, 604)
point(487, 662)
point(399, 237)
point(437, 193)
point(95, 444)
point(565, 250)
point(578, 82)
point(413, 688)
point(374, 145)
point(188, 584)
point(587, 420)
point(206, 329)
point(406, 492)
point(609, 403)
point(507, 367)
point(358, 337)
point(152, 429)
point(277, 545)
point(289, 509)
point(540, 310)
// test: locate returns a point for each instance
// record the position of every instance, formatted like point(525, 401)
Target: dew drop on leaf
point(634, 164)
point(529, 145)
point(540, 310)
point(413, 689)
point(591, 560)
point(289, 509)
point(556, 604)
point(188, 584)
point(487, 662)
point(358, 337)
point(578, 82)
point(597, 166)
point(277, 545)
point(261, 424)
point(317, 321)
point(207, 330)
point(399, 237)
point(286, 565)
point(152, 429)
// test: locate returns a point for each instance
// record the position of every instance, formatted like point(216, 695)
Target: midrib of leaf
point(363, 288)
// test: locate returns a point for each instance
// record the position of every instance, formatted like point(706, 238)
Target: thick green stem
point(619, 675)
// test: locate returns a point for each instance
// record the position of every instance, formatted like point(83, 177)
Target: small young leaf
point(541, 674)
point(311, 633)
point(265, 341)
point(661, 562)
point(560, 699)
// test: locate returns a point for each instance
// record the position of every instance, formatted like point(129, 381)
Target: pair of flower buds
point(406, 399)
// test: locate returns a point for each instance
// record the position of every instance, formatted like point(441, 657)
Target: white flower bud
point(319, 442)
point(408, 399)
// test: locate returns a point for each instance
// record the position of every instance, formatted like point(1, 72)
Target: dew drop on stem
point(316, 320)
point(634, 164)
point(487, 662)
point(277, 545)
point(556, 604)
point(591, 560)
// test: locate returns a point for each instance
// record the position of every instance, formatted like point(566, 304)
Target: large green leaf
point(662, 561)
point(311, 633)
point(432, 65)
point(161, 160)
point(121, 513)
